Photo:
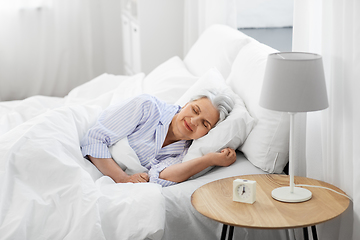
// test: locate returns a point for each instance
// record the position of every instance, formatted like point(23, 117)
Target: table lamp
point(293, 82)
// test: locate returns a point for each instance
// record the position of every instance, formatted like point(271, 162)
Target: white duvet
point(49, 191)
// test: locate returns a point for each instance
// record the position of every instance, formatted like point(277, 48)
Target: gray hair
point(222, 101)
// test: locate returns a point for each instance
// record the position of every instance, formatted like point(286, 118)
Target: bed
point(49, 191)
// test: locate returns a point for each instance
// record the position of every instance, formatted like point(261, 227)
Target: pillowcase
point(169, 81)
point(127, 89)
point(103, 83)
point(231, 132)
point(126, 157)
point(267, 146)
point(216, 47)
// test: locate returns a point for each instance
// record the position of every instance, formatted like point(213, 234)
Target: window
point(269, 22)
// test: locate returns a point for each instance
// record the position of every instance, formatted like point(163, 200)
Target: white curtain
point(49, 47)
point(200, 14)
point(332, 29)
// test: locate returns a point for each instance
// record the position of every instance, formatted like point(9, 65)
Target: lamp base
point(284, 194)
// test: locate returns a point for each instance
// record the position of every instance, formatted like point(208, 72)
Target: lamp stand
point(291, 193)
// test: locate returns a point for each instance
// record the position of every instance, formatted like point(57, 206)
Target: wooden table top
point(214, 200)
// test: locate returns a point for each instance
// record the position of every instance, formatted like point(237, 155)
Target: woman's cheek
point(204, 132)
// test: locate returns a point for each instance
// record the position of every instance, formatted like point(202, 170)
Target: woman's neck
point(170, 136)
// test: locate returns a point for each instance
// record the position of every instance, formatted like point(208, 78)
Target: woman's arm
point(182, 171)
point(110, 168)
point(117, 122)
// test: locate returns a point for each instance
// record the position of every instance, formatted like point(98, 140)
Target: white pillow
point(216, 47)
point(232, 132)
point(96, 87)
point(126, 157)
point(267, 146)
point(169, 81)
point(127, 89)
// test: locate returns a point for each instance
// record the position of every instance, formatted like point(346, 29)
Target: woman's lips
point(187, 126)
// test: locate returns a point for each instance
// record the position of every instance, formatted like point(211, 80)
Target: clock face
point(243, 191)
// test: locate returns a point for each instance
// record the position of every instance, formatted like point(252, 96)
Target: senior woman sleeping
point(160, 134)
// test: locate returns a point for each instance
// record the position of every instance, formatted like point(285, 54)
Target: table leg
point(231, 232)
point(223, 233)
point(306, 233)
point(314, 233)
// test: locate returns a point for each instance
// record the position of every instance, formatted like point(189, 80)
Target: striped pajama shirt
point(144, 120)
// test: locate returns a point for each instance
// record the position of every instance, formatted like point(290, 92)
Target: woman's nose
point(194, 121)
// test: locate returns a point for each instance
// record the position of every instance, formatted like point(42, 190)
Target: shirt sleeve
point(115, 123)
point(155, 171)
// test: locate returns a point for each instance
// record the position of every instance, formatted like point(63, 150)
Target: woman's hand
point(137, 178)
point(224, 158)
point(181, 171)
point(110, 168)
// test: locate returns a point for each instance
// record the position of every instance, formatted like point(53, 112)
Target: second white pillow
point(169, 81)
point(232, 132)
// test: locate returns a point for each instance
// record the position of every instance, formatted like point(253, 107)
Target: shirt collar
point(166, 119)
point(174, 148)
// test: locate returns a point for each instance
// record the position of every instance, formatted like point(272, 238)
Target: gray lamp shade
point(294, 82)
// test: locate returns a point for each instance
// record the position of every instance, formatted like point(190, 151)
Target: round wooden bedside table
point(215, 200)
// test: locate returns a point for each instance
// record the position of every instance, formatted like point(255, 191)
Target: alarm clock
point(244, 191)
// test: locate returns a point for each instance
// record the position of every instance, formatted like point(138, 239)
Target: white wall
point(111, 29)
point(50, 47)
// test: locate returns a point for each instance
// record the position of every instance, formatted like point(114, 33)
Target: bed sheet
point(184, 222)
point(100, 91)
point(49, 191)
point(13, 113)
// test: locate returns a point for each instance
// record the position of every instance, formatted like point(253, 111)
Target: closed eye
point(196, 111)
point(207, 124)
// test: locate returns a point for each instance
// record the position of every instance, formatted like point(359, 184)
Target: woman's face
point(196, 119)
